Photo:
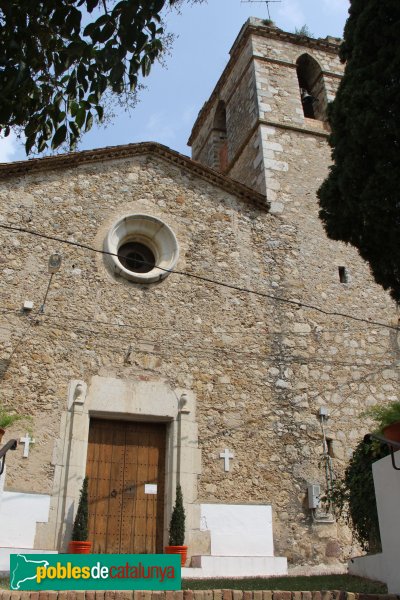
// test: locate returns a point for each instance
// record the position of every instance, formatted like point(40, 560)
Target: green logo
point(95, 572)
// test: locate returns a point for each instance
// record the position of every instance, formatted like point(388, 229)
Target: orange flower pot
point(182, 550)
point(392, 432)
point(79, 547)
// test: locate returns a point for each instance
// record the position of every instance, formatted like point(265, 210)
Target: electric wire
point(229, 430)
point(214, 329)
point(259, 353)
point(165, 350)
point(30, 322)
point(237, 288)
point(280, 358)
point(199, 350)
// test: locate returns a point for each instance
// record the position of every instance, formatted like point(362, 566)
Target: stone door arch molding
point(122, 399)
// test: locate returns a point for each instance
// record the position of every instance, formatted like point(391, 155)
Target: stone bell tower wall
point(260, 88)
point(237, 91)
point(325, 360)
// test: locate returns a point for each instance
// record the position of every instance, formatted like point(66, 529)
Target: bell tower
point(270, 101)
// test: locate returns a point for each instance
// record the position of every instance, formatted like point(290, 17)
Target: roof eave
point(76, 159)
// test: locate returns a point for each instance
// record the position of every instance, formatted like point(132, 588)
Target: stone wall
point(321, 359)
point(96, 324)
point(248, 166)
point(259, 365)
point(238, 95)
point(260, 85)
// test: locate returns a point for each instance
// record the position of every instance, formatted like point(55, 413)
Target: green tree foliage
point(384, 415)
point(360, 199)
point(81, 523)
point(60, 58)
point(177, 524)
point(353, 496)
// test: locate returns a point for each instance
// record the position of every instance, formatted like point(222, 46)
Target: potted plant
point(387, 419)
point(177, 528)
point(6, 420)
point(79, 543)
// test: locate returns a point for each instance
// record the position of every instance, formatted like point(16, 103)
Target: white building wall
point(384, 566)
point(2, 480)
point(238, 530)
point(19, 514)
point(241, 543)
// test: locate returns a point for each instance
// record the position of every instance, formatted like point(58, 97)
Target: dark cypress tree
point(81, 523)
point(360, 199)
point(177, 524)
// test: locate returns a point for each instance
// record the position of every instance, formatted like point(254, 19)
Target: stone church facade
point(184, 358)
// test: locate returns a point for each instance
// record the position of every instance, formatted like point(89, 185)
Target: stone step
point(235, 566)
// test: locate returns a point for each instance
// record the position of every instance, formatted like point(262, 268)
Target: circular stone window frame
point(147, 230)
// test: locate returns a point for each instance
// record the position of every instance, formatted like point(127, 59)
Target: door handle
point(113, 494)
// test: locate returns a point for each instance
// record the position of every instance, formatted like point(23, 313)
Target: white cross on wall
point(226, 455)
point(26, 441)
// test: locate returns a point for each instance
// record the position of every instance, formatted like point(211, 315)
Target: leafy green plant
point(81, 523)
point(383, 415)
point(7, 419)
point(304, 30)
point(177, 523)
point(353, 496)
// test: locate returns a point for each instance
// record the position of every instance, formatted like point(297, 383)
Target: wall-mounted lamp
point(53, 266)
point(54, 263)
point(323, 413)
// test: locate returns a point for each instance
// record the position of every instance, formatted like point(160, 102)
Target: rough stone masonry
point(260, 366)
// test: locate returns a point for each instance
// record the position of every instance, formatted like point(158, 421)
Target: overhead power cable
point(298, 303)
point(165, 348)
point(23, 336)
point(261, 353)
point(213, 329)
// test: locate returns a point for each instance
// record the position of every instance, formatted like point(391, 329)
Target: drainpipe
point(324, 416)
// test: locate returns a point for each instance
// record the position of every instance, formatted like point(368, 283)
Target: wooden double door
point(126, 471)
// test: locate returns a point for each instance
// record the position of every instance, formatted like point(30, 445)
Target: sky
point(175, 93)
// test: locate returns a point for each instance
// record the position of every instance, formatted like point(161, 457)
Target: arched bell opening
point(220, 138)
point(312, 88)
